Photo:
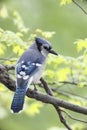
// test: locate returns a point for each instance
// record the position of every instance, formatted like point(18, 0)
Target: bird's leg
point(35, 89)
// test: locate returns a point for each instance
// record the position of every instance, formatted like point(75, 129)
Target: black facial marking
point(46, 47)
point(39, 47)
point(42, 43)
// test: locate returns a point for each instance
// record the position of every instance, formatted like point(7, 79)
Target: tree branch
point(62, 119)
point(79, 6)
point(57, 108)
point(6, 79)
point(68, 82)
point(73, 118)
point(47, 89)
point(67, 93)
point(10, 84)
point(10, 67)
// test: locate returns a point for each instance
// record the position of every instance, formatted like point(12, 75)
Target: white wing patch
point(23, 66)
point(22, 74)
point(19, 76)
point(25, 77)
point(37, 64)
point(22, 61)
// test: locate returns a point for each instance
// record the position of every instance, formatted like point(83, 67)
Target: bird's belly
point(38, 75)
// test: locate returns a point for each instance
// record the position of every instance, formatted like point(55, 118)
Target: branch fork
point(46, 98)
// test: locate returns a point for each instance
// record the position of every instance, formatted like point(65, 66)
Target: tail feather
point(18, 99)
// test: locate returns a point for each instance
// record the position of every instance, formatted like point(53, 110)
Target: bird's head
point(44, 46)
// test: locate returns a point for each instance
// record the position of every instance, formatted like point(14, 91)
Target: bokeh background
point(70, 24)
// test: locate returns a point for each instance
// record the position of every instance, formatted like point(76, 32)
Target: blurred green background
point(70, 24)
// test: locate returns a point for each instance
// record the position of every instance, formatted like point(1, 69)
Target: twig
point(45, 85)
point(73, 117)
point(62, 117)
point(68, 82)
point(67, 93)
point(10, 84)
point(56, 90)
point(57, 103)
point(79, 6)
point(59, 112)
point(10, 67)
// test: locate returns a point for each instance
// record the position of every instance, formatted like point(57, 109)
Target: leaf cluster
point(60, 70)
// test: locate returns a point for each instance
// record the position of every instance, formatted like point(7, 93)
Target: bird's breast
point(38, 75)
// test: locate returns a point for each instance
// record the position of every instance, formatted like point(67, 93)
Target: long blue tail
point(18, 100)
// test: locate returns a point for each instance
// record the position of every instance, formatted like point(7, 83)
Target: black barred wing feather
point(26, 69)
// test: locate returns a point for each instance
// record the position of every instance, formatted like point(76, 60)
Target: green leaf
point(10, 38)
point(64, 2)
point(48, 34)
point(63, 74)
point(19, 22)
point(2, 49)
point(45, 34)
point(49, 73)
point(55, 60)
point(34, 108)
point(18, 50)
point(81, 44)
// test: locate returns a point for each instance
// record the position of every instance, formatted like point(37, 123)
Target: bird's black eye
point(46, 47)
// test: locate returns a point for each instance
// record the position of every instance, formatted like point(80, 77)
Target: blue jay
point(29, 69)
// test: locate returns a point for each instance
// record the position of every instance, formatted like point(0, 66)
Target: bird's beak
point(52, 52)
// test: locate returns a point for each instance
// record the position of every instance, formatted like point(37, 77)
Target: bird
point(29, 69)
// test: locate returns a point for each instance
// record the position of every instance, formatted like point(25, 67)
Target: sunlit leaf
point(55, 60)
point(63, 74)
point(1, 31)
point(78, 126)
point(2, 49)
point(18, 50)
point(64, 2)
point(2, 88)
point(48, 34)
point(81, 44)
point(11, 38)
point(45, 34)
point(85, 71)
point(8, 62)
point(49, 73)
point(19, 34)
point(76, 102)
point(82, 84)
point(32, 35)
point(34, 108)
point(38, 30)
point(19, 22)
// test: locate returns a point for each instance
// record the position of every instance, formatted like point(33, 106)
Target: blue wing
point(24, 71)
